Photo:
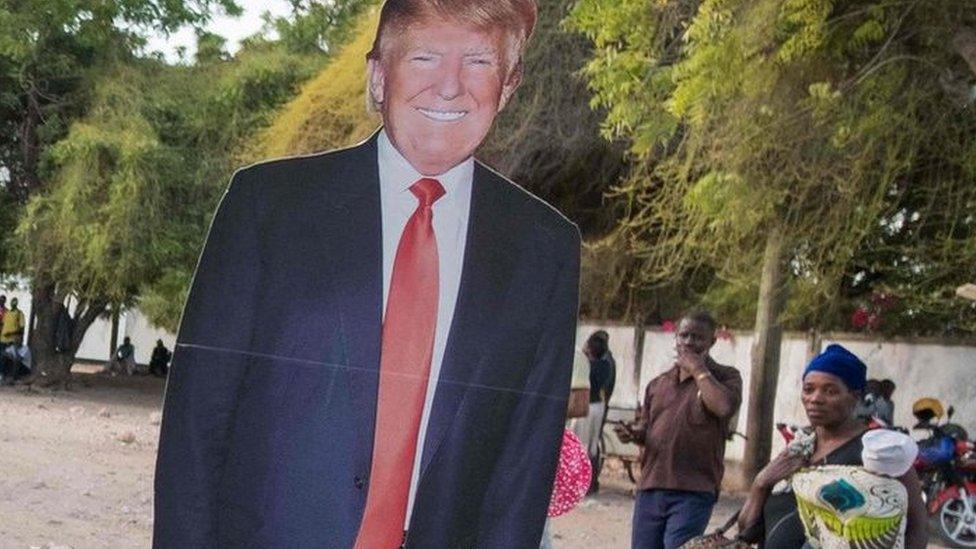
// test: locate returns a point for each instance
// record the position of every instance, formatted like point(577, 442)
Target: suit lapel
point(356, 219)
point(489, 259)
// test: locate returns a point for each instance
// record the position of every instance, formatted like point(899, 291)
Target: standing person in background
point(867, 406)
point(11, 335)
point(603, 377)
point(601, 381)
point(886, 406)
point(683, 426)
point(12, 332)
point(831, 386)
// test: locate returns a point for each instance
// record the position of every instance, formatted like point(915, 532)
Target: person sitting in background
point(17, 363)
point(159, 363)
point(833, 383)
point(886, 407)
point(123, 361)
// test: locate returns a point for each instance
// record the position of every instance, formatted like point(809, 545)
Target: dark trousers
point(665, 519)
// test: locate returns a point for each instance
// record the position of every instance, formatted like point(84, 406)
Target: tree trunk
point(814, 343)
point(48, 364)
point(639, 338)
point(113, 343)
point(53, 368)
point(765, 357)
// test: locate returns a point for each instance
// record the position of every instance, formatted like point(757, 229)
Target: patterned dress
point(847, 507)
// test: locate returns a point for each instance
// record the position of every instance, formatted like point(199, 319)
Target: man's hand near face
point(692, 364)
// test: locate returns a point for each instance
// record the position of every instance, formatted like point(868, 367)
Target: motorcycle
point(946, 467)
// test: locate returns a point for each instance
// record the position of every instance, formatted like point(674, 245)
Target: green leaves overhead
point(818, 118)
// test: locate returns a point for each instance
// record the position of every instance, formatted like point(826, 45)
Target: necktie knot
point(427, 191)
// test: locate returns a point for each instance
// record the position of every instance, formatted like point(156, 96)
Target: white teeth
point(443, 116)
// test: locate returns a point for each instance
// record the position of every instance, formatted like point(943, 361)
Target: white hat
point(888, 452)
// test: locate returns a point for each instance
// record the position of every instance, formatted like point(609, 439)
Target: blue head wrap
point(842, 363)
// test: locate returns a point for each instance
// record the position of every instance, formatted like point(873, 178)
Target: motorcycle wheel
point(956, 521)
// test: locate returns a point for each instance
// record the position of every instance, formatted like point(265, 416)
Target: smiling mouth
point(442, 116)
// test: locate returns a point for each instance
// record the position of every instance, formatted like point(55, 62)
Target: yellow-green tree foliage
point(330, 110)
point(836, 125)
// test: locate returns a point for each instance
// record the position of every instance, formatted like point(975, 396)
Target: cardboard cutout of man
point(377, 346)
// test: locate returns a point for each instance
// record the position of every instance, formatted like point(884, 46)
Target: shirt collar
point(397, 175)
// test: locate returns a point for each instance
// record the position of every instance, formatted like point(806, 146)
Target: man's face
point(13, 303)
point(694, 337)
point(440, 85)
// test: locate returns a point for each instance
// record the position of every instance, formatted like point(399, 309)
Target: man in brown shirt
point(683, 427)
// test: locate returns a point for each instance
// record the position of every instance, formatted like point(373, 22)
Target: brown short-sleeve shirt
point(684, 442)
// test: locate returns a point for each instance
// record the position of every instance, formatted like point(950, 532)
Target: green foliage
point(317, 27)
point(822, 119)
point(207, 114)
point(547, 138)
point(330, 110)
point(94, 230)
point(630, 38)
point(211, 48)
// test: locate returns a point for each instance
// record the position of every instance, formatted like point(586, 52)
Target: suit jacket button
point(360, 481)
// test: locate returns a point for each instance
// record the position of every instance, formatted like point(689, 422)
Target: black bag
point(717, 538)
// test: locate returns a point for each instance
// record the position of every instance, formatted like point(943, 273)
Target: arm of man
point(209, 366)
point(517, 498)
point(721, 397)
point(639, 430)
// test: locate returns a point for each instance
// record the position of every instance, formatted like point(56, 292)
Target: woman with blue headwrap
point(832, 386)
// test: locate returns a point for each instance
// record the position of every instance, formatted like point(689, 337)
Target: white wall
point(95, 346)
point(144, 336)
point(919, 368)
point(937, 369)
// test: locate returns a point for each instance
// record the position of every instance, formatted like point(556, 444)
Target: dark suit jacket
point(267, 431)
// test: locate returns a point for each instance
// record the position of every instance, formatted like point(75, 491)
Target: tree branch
point(964, 42)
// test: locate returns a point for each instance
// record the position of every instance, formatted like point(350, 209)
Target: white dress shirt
point(450, 221)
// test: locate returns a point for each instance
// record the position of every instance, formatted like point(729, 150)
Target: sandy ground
point(77, 465)
point(602, 521)
point(76, 471)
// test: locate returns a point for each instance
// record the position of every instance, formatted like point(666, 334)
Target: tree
point(329, 111)
point(49, 54)
point(547, 139)
point(776, 138)
point(91, 234)
point(208, 113)
point(317, 27)
point(217, 112)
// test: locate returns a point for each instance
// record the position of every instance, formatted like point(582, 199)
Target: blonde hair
point(516, 17)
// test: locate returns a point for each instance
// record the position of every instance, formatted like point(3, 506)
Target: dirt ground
point(76, 471)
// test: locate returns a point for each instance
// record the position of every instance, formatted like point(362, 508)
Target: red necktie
point(407, 347)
